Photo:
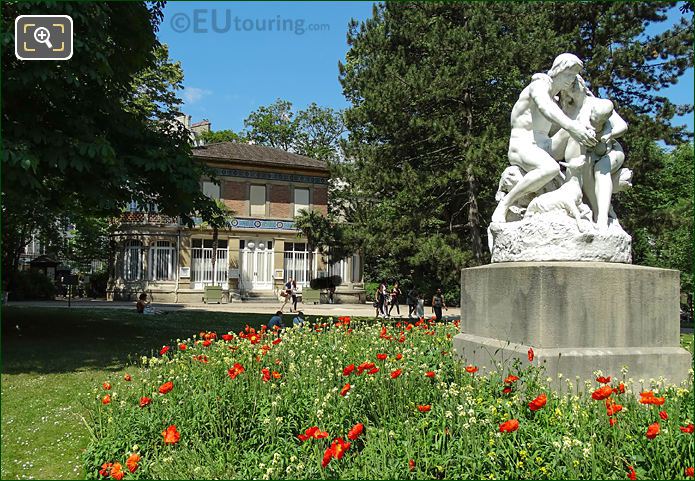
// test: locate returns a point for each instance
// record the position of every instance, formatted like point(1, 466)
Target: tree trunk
point(474, 216)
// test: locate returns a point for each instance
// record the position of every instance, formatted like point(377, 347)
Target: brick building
point(265, 188)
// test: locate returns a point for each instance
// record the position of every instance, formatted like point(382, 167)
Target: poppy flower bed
point(355, 399)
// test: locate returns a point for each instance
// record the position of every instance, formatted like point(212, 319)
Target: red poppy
point(106, 385)
point(132, 462)
point(227, 337)
point(355, 431)
point(538, 403)
point(163, 350)
point(663, 415)
point(620, 389)
point(105, 469)
point(254, 339)
point(689, 472)
point(611, 421)
point(509, 426)
point(613, 409)
point(471, 369)
point(373, 370)
point(166, 387)
point(312, 432)
point(145, 401)
point(171, 435)
point(348, 370)
point(396, 373)
point(603, 380)
point(689, 429)
point(631, 473)
point(182, 347)
point(381, 357)
point(424, 408)
point(399, 356)
point(602, 393)
point(277, 341)
point(201, 358)
point(345, 389)
point(327, 456)
point(506, 390)
point(530, 354)
point(127, 377)
point(402, 338)
point(429, 374)
point(365, 366)
point(106, 399)
point(652, 431)
point(207, 342)
point(266, 374)
point(276, 375)
point(511, 379)
point(336, 450)
point(411, 465)
point(117, 471)
point(648, 397)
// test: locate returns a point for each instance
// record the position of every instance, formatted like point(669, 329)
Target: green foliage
point(314, 132)
point(211, 137)
point(247, 428)
point(86, 137)
point(431, 87)
point(32, 285)
point(97, 285)
point(659, 209)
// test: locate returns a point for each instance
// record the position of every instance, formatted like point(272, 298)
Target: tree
point(317, 230)
point(314, 132)
point(86, 137)
point(431, 87)
point(211, 137)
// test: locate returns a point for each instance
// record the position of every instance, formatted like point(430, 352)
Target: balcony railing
point(153, 218)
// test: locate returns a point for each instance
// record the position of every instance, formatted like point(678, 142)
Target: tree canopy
point(88, 135)
point(432, 86)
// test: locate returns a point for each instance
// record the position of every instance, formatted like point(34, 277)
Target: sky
point(238, 56)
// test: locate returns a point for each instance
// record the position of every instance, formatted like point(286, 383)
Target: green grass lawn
point(54, 360)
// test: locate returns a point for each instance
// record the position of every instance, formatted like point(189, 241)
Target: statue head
point(601, 110)
point(565, 61)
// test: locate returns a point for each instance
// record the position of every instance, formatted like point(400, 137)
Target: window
point(211, 190)
point(201, 263)
point(162, 261)
point(301, 200)
point(356, 274)
point(133, 266)
point(339, 269)
point(297, 263)
point(257, 200)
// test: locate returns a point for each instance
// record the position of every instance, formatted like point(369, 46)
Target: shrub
point(32, 285)
point(245, 407)
point(325, 282)
point(97, 284)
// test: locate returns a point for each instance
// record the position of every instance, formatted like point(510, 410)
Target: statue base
point(554, 236)
point(579, 317)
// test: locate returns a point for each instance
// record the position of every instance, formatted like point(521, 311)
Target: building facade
point(264, 188)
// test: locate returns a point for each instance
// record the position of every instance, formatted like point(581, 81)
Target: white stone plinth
point(579, 317)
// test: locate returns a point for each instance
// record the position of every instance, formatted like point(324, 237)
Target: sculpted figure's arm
point(547, 106)
point(615, 127)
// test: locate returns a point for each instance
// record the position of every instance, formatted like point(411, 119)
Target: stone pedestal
point(578, 317)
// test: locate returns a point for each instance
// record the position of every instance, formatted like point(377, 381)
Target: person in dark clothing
point(395, 294)
point(412, 301)
point(276, 322)
point(438, 303)
point(141, 304)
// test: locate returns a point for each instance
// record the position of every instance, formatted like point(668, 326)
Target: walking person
point(395, 294)
point(380, 300)
point(438, 303)
point(412, 302)
point(287, 293)
point(293, 293)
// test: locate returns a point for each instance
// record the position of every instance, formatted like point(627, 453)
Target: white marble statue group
point(544, 213)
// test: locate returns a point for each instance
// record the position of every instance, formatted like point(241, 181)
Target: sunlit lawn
point(54, 358)
point(51, 361)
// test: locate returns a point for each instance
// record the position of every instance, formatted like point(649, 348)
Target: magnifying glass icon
point(42, 35)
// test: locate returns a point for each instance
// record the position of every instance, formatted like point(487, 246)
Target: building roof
point(257, 154)
point(198, 124)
